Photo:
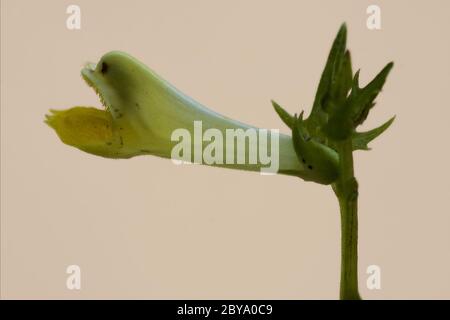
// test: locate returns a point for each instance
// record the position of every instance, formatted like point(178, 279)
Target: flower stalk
point(346, 190)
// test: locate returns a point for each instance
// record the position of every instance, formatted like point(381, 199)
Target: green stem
point(346, 189)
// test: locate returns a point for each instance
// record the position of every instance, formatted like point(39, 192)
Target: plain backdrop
point(145, 228)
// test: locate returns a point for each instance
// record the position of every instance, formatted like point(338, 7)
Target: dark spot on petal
point(310, 167)
point(104, 68)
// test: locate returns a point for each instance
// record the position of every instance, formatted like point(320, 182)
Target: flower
point(142, 111)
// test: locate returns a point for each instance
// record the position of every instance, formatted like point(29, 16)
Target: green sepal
point(320, 160)
point(334, 86)
point(360, 140)
point(329, 74)
point(341, 84)
point(361, 100)
point(339, 126)
point(283, 114)
point(354, 111)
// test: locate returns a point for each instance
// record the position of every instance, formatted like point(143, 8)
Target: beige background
point(143, 228)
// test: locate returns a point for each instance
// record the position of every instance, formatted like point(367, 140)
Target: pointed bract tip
point(388, 67)
point(342, 33)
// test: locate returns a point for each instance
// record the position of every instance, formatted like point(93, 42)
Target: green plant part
point(142, 111)
point(321, 160)
point(339, 107)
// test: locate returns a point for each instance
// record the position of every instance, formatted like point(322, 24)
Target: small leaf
point(341, 83)
point(362, 100)
point(283, 114)
point(334, 62)
point(354, 111)
point(361, 140)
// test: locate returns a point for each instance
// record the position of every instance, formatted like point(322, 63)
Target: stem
point(346, 189)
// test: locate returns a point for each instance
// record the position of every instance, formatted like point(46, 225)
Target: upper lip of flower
point(88, 73)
